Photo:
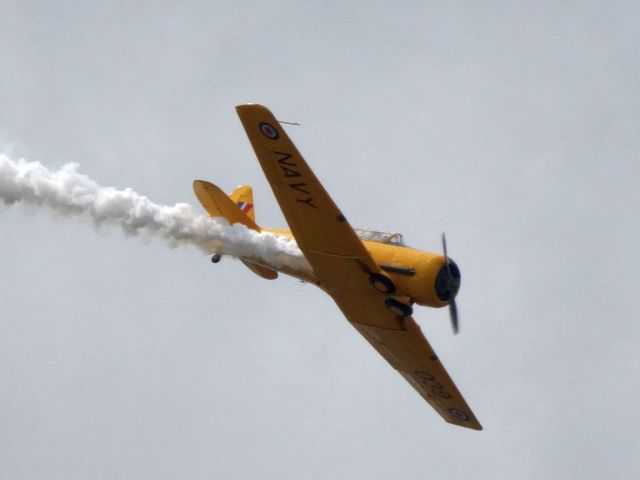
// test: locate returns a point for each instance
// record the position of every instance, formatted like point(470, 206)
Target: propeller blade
point(453, 309)
point(444, 247)
point(453, 313)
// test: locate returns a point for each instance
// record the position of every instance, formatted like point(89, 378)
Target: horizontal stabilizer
point(264, 272)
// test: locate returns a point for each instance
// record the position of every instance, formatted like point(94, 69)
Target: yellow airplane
point(373, 277)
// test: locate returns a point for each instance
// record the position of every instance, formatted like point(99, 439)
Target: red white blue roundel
point(459, 414)
point(269, 131)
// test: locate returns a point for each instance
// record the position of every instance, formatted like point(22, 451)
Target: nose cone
point(448, 282)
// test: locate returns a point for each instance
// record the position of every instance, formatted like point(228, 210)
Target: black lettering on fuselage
point(290, 170)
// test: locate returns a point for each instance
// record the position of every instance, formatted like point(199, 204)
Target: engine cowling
point(421, 276)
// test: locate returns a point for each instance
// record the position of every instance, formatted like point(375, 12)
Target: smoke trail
point(68, 192)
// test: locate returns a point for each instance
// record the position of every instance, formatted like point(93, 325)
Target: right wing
point(342, 265)
point(409, 352)
point(402, 344)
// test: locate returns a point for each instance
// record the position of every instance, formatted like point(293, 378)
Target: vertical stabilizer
point(243, 198)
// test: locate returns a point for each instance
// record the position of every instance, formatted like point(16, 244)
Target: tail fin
point(218, 204)
point(236, 208)
point(243, 198)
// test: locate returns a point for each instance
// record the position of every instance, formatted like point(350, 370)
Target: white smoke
point(68, 192)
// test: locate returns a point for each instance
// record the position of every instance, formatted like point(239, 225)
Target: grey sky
point(513, 129)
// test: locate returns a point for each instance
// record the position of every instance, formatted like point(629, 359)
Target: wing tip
point(251, 106)
point(475, 425)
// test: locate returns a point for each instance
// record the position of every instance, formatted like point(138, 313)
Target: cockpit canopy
point(380, 237)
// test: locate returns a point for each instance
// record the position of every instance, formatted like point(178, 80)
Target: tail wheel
point(382, 283)
point(216, 258)
point(398, 308)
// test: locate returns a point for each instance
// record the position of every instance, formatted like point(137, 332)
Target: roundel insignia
point(269, 131)
point(459, 414)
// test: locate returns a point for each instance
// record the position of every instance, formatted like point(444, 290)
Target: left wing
point(314, 219)
point(342, 265)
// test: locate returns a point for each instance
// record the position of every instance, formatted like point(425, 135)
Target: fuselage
point(413, 272)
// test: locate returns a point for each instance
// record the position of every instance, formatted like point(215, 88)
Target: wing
point(315, 221)
point(342, 265)
point(399, 341)
point(409, 352)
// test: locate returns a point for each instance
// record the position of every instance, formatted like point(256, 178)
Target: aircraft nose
point(448, 281)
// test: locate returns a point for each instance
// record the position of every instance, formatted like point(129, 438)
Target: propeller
point(454, 284)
